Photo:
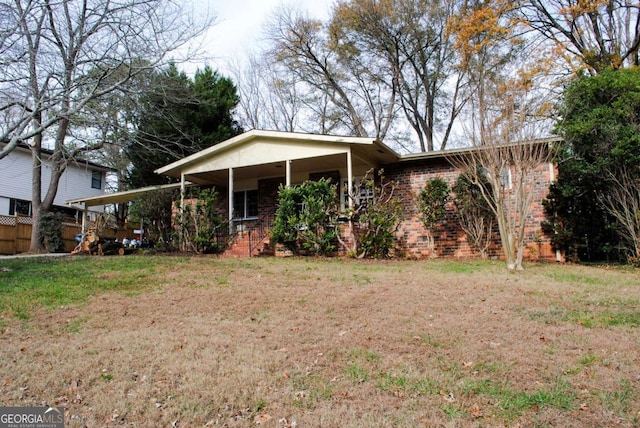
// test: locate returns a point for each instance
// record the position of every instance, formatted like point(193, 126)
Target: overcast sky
point(239, 25)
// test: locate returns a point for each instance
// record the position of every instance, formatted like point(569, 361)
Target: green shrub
point(432, 202)
point(306, 217)
point(51, 228)
point(200, 224)
point(474, 213)
point(373, 221)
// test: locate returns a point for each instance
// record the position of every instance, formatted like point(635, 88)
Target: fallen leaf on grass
point(286, 424)
point(399, 394)
point(260, 419)
point(449, 398)
point(475, 411)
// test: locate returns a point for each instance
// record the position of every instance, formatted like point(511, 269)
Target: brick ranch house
point(248, 169)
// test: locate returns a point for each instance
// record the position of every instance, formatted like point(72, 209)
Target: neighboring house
point(81, 178)
point(248, 169)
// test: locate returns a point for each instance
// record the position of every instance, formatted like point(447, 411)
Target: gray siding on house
point(15, 181)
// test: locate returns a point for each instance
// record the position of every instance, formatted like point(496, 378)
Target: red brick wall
point(450, 240)
point(268, 195)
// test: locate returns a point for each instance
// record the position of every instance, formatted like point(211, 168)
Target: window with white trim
point(96, 180)
point(19, 207)
point(505, 178)
point(245, 204)
point(362, 192)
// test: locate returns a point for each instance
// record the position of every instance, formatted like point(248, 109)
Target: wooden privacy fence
point(15, 234)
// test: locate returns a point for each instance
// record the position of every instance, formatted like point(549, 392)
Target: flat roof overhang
point(121, 197)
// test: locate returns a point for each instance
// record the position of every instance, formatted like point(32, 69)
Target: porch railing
point(260, 230)
point(255, 229)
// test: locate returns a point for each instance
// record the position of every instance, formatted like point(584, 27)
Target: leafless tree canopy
point(58, 55)
point(382, 69)
point(600, 34)
point(357, 102)
point(622, 201)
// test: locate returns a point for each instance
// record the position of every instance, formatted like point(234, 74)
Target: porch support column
point(231, 201)
point(181, 240)
point(350, 177)
point(182, 192)
point(84, 222)
point(287, 168)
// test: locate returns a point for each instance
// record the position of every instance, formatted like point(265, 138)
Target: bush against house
point(432, 206)
point(52, 229)
point(309, 219)
point(473, 213)
point(371, 222)
point(592, 209)
point(200, 226)
point(306, 217)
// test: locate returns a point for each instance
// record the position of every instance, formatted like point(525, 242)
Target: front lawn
point(162, 341)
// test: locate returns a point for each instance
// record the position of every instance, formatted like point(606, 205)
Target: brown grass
point(335, 343)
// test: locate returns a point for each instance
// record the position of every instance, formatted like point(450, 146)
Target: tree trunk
point(36, 245)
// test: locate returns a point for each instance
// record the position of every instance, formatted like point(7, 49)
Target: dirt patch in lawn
point(338, 343)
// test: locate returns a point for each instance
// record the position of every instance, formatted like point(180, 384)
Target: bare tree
point(506, 116)
point(412, 39)
point(269, 97)
point(360, 103)
point(58, 56)
point(622, 201)
point(600, 34)
point(507, 155)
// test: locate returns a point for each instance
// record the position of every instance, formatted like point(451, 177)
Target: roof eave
point(174, 169)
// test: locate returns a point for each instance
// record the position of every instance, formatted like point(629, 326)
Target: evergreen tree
point(178, 117)
point(599, 159)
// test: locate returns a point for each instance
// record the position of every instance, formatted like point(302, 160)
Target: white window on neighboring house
point(362, 193)
point(96, 180)
point(19, 207)
point(245, 204)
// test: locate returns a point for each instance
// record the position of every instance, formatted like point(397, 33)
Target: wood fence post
point(15, 233)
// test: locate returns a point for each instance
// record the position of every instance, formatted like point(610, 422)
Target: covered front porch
point(248, 170)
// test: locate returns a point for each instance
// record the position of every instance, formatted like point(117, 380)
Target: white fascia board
point(288, 137)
